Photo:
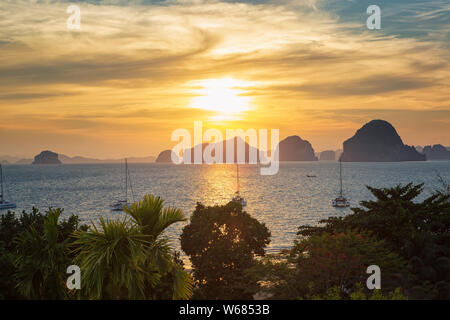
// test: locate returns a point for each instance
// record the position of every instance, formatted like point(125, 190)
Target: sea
point(283, 201)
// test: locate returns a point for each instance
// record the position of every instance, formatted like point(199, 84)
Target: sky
point(138, 70)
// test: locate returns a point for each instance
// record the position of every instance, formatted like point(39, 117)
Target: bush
point(322, 262)
point(32, 247)
point(222, 242)
point(131, 258)
point(417, 231)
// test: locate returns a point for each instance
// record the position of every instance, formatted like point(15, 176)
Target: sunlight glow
point(225, 95)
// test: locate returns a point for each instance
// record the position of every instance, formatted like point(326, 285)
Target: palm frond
point(182, 284)
point(150, 215)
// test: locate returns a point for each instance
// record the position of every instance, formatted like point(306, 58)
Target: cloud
point(372, 85)
point(31, 96)
point(133, 61)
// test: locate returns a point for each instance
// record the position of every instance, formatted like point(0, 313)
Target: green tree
point(222, 242)
point(153, 219)
point(8, 291)
point(418, 231)
point(27, 231)
point(42, 259)
point(360, 293)
point(126, 259)
point(319, 263)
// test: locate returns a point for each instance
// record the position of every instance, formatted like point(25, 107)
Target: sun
point(226, 96)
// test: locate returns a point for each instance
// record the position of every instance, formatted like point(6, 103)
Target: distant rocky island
point(46, 157)
point(73, 160)
point(378, 141)
point(294, 148)
point(24, 161)
point(223, 145)
point(436, 152)
point(165, 157)
point(327, 155)
point(81, 160)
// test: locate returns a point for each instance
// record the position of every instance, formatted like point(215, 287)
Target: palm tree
point(42, 260)
point(153, 219)
point(125, 259)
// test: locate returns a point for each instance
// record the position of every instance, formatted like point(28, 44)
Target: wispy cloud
point(132, 61)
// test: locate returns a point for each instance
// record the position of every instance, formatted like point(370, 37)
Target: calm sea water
point(283, 201)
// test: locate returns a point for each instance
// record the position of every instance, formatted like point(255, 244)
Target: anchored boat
point(3, 203)
point(341, 201)
point(237, 196)
point(120, 204)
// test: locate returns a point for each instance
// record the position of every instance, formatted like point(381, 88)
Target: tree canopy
point(222, 242)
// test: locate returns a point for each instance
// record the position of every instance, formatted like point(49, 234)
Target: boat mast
point(126, 181)
point(340, 174)
point(237, 177)
point(1, 183)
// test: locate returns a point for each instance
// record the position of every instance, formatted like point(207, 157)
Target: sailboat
point(120, 204)
point(341, 201)
point(3, 203)
point(237, 196)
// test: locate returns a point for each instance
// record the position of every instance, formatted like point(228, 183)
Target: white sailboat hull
point(341, 203)
point(7, 205)
point(241, 200)
point(119, 205)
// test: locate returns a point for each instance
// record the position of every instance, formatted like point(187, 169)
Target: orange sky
point(133, 74)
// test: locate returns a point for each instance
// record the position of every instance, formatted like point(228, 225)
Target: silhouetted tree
point(338, 261)
point(42, 259)
point(126, 259)
point(31, 249)
point(418, 231)
point(222, 242)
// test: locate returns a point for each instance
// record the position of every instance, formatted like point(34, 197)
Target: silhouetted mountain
point(327, 155)
point(24, 161)
point(293, 148)
point(80, 160)
point(46, 157)
point(248, 150)
point(165, 156)
point(378, 141)
point(9, 159)
point(436, 152)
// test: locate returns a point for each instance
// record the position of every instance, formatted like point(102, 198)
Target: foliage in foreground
point(131, 258)
point(326, 261)
point(34, 255)
point(361, 293)
point(126, 259)
point(417, 231)
point(222, 242)
point(122, 259)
